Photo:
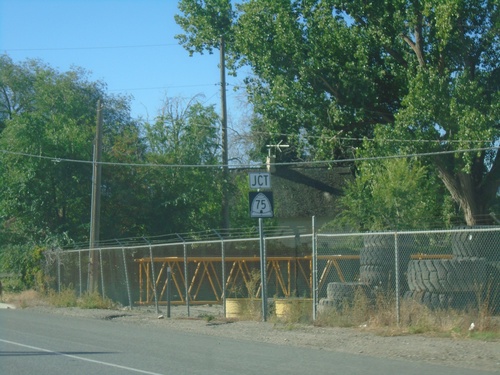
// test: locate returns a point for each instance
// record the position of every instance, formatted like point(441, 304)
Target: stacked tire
point(377, 261)
point(470, 277)
point(376, 272)
point(343, 295)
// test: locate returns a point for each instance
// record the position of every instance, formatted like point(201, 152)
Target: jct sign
point(260, 180)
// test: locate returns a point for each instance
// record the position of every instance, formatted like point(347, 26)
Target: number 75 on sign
point(261, 204)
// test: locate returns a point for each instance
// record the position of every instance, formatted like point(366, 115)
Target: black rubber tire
point(325, 305)
point(447, 275)
point(379, 276)
point(326, 302)
point(491, 292)
point(443, 301)
point(470, 243)
point(340, 294)
point(377, 260)
point(378, 250)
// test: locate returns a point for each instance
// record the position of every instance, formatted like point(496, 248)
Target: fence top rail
point(394, 233)
point(156, 245)
point(230, 234)
point(282, 237)
point(182, 243)
point(245, 259)
point(333, 257)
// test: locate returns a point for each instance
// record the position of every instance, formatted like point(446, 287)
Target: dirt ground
point(208, 320)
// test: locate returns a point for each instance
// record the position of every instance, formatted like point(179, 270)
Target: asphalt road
point(33, 342)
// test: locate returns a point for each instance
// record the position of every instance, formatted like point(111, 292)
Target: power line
point(90, 48)
point(165, 87)
point(250, 166)
point(358, 139)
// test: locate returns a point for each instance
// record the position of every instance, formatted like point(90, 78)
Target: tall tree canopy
point(187, 194)
point(46, 117)
point(326, 70)
point(157, 178)
point(205, 22)
point(451, 61)
point(48, 122)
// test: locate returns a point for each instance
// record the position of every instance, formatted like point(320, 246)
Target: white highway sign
point(261, 204)
point(260, 180)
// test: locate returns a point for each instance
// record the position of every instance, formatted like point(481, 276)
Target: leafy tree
point(187, 194)
point(48, 124)
point(393, 194)
point(205, 22)
point(315, 76)
point(327, 70)
point(452, 66)
point(49, 118)
point(208, 24)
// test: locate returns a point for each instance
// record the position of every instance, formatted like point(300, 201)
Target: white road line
point(81, 358)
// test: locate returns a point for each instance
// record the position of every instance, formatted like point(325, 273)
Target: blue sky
point(128, 44)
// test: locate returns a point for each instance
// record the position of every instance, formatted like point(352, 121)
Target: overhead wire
point(360, 139)
point(89, 48)
point(164, 87)
point(250, 166)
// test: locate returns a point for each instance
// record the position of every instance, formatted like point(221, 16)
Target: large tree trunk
point(474, 192)
point(462, 192)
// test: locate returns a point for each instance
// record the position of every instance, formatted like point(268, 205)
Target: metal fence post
point(169, 290)
point(80, 271)
point(186, 283)
point(102, 274)
point(223, 275)
point(153, 275)
point(58, 272)
point(396, 276)
point(126, 275)
point(314, 269)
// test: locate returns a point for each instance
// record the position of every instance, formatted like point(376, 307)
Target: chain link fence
point(448, 269)
point(455, 269)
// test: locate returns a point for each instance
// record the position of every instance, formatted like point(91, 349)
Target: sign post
point(261, 206)
point(263, 273)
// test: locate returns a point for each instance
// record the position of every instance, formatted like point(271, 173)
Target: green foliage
point(94, 301)
point(204, 22)
point(23, 261)
point(47, 129)
point(187, 195)
point(314, 76)
point(392, 194)
point(48, 117)
point(327, 73)
point(65, 298)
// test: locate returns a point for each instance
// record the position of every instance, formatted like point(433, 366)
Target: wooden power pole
point(225, 167)
point(95, 213)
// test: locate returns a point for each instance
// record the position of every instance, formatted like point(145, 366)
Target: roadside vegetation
point(414, 318)
point(65, 298)
point(379, 318)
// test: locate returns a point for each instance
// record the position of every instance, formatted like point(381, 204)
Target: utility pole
point(95, 213)
point(225, 167)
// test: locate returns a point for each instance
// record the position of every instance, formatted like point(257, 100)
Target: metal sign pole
point(314, 269)
point(263, 277)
